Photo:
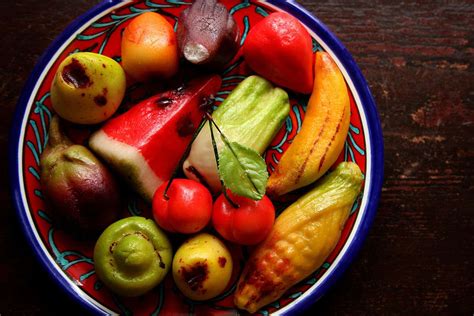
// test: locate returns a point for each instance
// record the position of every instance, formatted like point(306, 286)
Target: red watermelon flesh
point(146, 143)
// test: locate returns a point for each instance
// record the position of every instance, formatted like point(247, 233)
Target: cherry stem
point(216, 156)
point(183, 157)
point(224, 138)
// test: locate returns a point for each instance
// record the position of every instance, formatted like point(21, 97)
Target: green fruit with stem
point(132, 256)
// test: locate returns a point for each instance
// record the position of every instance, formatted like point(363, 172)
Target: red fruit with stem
point(186, 208)
point(248, 224)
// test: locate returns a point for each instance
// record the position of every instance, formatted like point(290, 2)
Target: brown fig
point(208, 34)
point(80, 192)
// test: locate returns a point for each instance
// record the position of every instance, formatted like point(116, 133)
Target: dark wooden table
point(418, 59)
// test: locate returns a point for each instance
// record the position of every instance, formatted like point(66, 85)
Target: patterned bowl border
point(363, 99)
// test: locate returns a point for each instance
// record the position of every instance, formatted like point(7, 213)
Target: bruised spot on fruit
point(75, 74)
point(100, 100)
point(112, 246)
point(104, 66)
point(262, 283)
point(195, 275)
point(83, 94)
point(222, 261)
point(185, 126)
point(164, 102)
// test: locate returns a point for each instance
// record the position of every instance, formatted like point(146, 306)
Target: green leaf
point(243, 170)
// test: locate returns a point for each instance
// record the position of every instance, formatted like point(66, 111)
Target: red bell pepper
point(248, 224)
point(280, 49)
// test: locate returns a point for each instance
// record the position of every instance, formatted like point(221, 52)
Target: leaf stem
point(183, 157)
point(227, 143)
point(216, 156)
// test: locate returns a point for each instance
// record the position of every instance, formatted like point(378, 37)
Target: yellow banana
point(301, 239)
point(321, 138)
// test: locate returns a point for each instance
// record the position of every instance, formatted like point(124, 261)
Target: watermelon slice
point(146, 143)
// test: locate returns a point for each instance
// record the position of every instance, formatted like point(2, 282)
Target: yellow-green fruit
point(322, 136)
point(303, 236)
point(132, 256)
point(87, 88)
point(202, 267)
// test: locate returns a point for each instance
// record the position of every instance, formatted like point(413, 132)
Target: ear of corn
point(301, 239)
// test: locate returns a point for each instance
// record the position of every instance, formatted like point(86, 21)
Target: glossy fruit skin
point(252, 114)
point(87, 88)
point(280, 49)
point(323, 132)
point(202, 267)
point(149, 48)
point(81, 194)
point(164, 123)
point(248, 224)
point(188, 207)
point(132, 256)
point(303, 236)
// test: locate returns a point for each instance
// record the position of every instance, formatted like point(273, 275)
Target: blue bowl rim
point(360, 84)
point(376, 141)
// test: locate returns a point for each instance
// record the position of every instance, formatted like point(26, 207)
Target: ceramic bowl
point(69, 261)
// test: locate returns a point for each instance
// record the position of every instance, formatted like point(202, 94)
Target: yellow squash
point(322, 135)
point(301, 239)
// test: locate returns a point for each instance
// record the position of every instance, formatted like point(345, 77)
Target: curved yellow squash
point(321, 138)
point(301, 239)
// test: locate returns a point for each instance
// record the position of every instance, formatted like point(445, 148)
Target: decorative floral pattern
point(75, 257)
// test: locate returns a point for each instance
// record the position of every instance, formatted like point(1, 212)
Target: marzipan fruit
point(80, 191)
point(207, 34)
point(301, 239)
point(251, 115)
point(321, 138)
point(146, 143)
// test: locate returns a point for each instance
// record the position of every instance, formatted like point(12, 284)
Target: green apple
point(87, 88)
point(132, 256)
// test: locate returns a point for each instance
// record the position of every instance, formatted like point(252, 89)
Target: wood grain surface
point(418, 60)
